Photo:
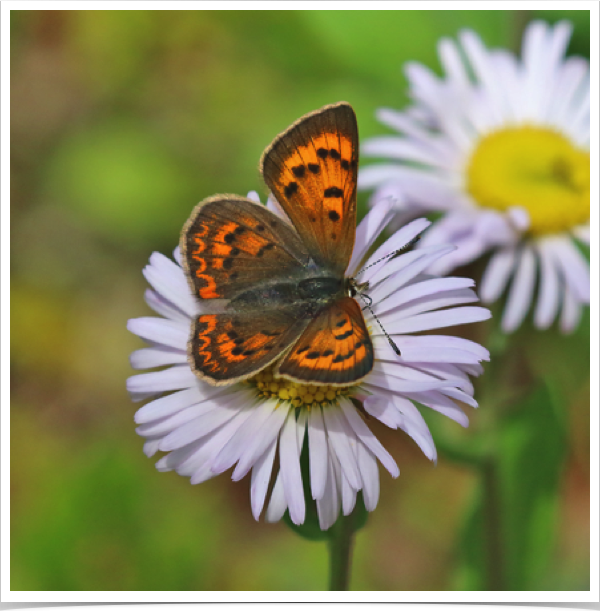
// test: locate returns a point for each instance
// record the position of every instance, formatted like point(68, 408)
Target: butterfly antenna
point(392, 254)
point(389, 339)
point(368, 301)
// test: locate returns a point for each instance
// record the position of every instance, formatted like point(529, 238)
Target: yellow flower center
point(534, 168)
point(296, 394)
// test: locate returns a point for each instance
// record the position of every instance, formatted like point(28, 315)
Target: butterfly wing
point(228, 347)
point(311, 169)
point(230, 243)
point(334, 349)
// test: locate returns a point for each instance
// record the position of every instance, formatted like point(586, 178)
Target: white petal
point(442, 404)
point(165, 406)
point(438, 320)
point(367, 438)
point(237, 445)
point(382, 408)
point(370, 476)
point(497, 274)
point(277, 503)
point(328, 506)
point(575, 269)
point(549, 292)
point(174, 378)
point(521, 292)
point(146, 358)
point(423, 348)
point(261, 475)
point(317, 444)
point(291, 476)
point(571, 312)
point(164, 307)
point(401, 239)
point(340, 442)
point(368, 231)
point(203, 425)
point(170, 333)
point(258, 443)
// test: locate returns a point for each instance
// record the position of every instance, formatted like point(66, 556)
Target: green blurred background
point(121, 121)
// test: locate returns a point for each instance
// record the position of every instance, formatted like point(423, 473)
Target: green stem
point(340, 552)
point(493, 526)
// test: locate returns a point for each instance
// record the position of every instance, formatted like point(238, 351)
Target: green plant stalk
point(340, 552)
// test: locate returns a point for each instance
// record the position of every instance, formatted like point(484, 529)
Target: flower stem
point(493, 526)
point(340, 552)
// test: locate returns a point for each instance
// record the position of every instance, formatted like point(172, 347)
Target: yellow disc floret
point(295, 393)
point(534, 168)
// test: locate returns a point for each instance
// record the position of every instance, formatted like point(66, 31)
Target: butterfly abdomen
point(313, 292)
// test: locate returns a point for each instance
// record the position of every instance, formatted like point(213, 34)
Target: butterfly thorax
point(314, 293)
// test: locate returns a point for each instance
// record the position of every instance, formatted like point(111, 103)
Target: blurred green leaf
point(122, 180)
point(524, 474)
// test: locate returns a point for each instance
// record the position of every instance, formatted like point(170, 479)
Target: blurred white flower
point(499, 148)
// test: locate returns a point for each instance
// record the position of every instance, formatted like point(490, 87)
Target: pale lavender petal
point(166, 425)
point(369, 473)
point(422, 289)
point(167, 405)
point(400, 270)
point(328, 506)
point(348, 494)
point(442, 404)
point(259, 482)
point(382, 408)
point(521, 292)
point(169, 333)
point(174, 378)
point(422, 347)
point(151, 447)
point(231, 452)
point(164, 307)
point(394, 147)
point(368, 231)
point(428, 304)
point(278, 502)
point(317, 443)
point(367, 438)
point(147, 358)
point(399, 240)
point(257, 443)
point(582, 233)
point(291, 476)
point(575, 269)
point(571, 311)
point(341, 444)
point(549, 293)
point(497, 274)
point(438, 320)
point(203, 425)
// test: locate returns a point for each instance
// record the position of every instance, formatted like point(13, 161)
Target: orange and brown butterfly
point(278, 290)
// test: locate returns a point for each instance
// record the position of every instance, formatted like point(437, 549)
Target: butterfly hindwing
point(231, 346)
point(334, 349)
point(311, 169)
point(230, 243)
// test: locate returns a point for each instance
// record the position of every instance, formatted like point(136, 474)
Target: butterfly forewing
point(334, 349)
point(311, 169)
point(230, 243)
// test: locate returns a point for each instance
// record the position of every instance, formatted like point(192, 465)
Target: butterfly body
point(286, 299)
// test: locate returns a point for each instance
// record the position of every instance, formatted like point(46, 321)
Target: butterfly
point(276, 293)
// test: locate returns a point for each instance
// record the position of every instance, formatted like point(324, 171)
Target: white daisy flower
point(206, 430)
point(500, 148)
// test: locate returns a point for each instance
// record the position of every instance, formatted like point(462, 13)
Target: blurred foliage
point(121, 121)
